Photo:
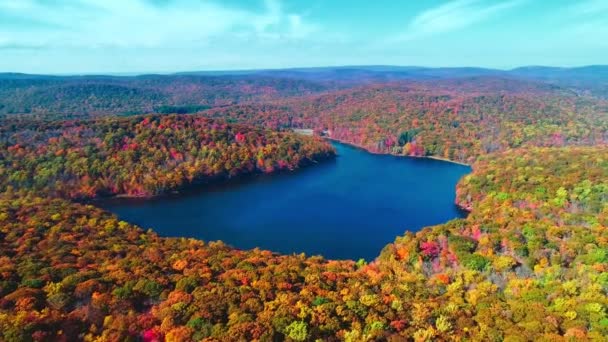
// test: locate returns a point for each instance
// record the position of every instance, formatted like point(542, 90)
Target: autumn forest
point(528, 263)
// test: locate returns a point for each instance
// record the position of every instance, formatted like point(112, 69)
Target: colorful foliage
point(142, 156)
point(530, 262)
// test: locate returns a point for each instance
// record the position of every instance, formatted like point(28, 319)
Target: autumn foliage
point(530, 262)
point(452, 119)
point(142, 156)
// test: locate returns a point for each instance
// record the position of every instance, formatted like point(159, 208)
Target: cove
point(347, 208)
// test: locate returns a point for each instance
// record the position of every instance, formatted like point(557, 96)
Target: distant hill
point(595, 72)
point(114, 95)
point(591, 80)
point(598, 72)
point(95, 95)
point(360, 74)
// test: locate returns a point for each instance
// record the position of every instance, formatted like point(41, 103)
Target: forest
point(530, 261)
point(142, 156)
point(452, 119)
point(106, 95)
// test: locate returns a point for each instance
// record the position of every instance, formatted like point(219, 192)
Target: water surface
point(350, 207)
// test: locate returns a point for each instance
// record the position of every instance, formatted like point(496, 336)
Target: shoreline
point(468, 208)
point(221, 179)
point(447, 160)
point(396, 155)
point(98, 201)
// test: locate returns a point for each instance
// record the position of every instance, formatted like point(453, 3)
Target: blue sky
point(92, 36)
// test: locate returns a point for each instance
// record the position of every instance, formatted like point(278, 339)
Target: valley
point(529, 262)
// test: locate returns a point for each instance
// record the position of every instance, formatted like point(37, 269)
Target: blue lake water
point(350, 207)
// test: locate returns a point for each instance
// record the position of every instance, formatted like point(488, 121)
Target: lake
point(347, 208)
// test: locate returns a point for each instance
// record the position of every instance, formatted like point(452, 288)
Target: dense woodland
point(456, 114)
point(106, 95)
point(452, 119)
point(141, 156)
point(530, 262)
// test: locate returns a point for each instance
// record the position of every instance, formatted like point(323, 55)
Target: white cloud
point(141, 23)
point(451, 16)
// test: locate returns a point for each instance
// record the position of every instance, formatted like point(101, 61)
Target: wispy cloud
point(588, 22)
point(589, 7)
point(13, 46)
point(142, 23)
point(454, 15)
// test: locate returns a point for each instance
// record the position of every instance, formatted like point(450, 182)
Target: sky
point(135, 36)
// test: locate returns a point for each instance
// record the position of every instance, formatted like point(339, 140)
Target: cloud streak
point(452, 16)
point(13, 46)
point(588, 22)
point(589, 7)
point(142, 23)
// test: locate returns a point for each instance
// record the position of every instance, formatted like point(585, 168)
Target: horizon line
point(294, 68)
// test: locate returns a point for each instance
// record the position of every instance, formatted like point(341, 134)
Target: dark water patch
point(347, 208)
